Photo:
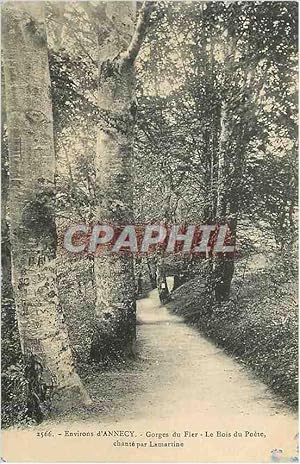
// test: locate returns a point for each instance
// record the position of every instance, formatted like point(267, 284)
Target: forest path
point(180, 382)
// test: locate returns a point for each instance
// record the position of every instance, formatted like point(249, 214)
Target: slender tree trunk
point(5, 241)
point(6, 285)
point(223, 146)
point(161, 280)
point(223, 265)
point(152, 273)
point(180, 279)
point(139, 285)
point(44, 340)
point(114, 273)
point(138, 276)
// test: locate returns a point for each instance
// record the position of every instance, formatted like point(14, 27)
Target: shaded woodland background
point(215, 136)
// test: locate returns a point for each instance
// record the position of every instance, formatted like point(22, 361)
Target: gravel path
point(181, 383)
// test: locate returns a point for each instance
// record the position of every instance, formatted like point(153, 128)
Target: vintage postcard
point(149, 231)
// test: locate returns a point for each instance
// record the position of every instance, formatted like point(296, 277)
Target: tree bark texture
point(224, 265)
point(115, 333)
point(50, 370)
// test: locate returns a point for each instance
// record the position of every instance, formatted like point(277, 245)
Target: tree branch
point(140, 32)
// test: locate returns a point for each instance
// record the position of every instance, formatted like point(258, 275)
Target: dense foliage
point(258, 326)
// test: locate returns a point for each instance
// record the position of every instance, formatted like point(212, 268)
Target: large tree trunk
point(114, 273)
point(44, 340)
